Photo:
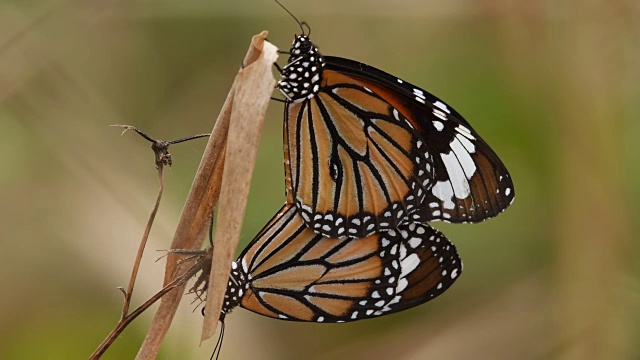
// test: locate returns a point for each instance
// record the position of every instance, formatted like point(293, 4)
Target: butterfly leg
point(277, 67)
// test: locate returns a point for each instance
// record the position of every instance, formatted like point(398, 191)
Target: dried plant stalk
point(245, 105)
point(254, 86)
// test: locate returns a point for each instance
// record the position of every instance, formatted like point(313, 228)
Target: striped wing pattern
point(470, 183)
point(369, 158)
point(354, 164)
point(290, 272)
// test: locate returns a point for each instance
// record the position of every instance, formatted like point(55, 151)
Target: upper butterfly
point(366, 151)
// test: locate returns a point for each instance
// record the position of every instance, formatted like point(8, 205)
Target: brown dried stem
point(246, 93)
point(254, 86)
point(128, 318)
point(161, 150)
point(141, 247)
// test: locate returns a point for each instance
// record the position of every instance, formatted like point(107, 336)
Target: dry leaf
point(245, 106)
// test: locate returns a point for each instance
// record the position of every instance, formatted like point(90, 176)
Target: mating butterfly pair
point(369, 159)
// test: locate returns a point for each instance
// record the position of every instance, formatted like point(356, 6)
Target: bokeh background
point(552, 86)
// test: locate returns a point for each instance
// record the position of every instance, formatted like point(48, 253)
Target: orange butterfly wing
point(353, 163)
point(290, 272)
point(470, 183)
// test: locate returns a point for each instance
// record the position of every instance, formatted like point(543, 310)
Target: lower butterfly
point(289, 272)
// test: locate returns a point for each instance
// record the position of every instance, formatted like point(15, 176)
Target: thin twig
point(202, 263)
point(161, 150)
point(143, 244)
point(160, 147)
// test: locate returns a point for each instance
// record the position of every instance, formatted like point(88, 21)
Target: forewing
point(354, 164)
point(471, 183)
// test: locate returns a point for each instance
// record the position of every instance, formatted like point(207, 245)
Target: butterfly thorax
point(236, 288)
point(301, 77)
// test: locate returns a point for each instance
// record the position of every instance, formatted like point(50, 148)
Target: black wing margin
point(471, 182)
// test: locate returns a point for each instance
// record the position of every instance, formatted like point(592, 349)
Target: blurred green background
point(552, 86)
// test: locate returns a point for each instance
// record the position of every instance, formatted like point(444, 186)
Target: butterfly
point(366, 151)
point(290, 272)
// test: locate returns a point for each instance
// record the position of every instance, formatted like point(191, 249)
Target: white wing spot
point(454, 273)
point(402, 284)
point(466, 143)
point(415, 242)
point(457, 177)
point(443, 191)
point(409, 264)
point(468, 165)
point(464, 131)
point(439, 114)
point(442, 106)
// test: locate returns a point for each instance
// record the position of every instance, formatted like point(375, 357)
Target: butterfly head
point(301, 77)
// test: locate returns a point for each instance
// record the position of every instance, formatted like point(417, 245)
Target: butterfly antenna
point(293, 16)
point(218, 347)
point(304, 23)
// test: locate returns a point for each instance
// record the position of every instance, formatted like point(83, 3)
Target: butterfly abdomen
point(236, 288)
